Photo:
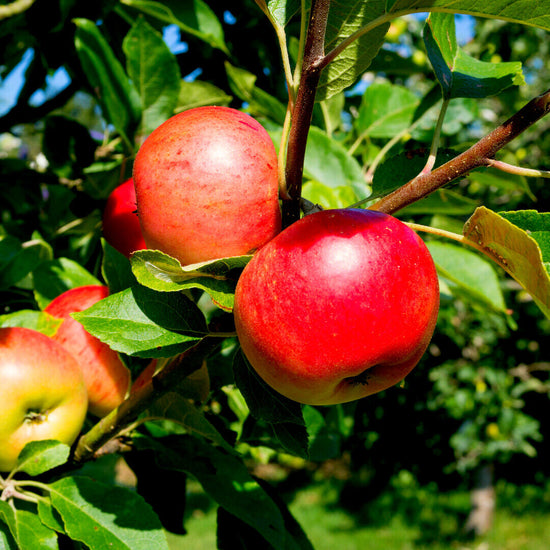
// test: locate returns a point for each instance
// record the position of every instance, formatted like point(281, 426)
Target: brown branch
point(476, 156)
point(128, 411)
point(303, 108)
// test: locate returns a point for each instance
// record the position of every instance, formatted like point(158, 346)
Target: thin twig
point(128, 411)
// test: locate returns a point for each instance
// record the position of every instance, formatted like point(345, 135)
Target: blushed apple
point(340, 305)
point(121, 227)
point(107, 377)
point(207, 186)
point(42, 393)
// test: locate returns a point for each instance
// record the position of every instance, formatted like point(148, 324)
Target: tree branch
point(128, 411)
point(476, 156)
point(303, 109)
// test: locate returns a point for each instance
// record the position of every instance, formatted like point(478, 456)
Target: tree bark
point(483, 501)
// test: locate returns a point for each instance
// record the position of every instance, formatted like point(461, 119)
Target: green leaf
point(264, 402)
point(117, 97)
point(519, 243)
point(54, 277)
point(174, 406)
point(192, 16)
point(18, 259)
point(27, 529)
point(49, 517)
point(116, 269)
point(324, 443)
point(501, 180)
point(399, 169)
point(7, 542)
point(225, 478)
point(459, 74)
point(469, 272)
point(292, 437)
point(328, 162)
point(260, 103)
point(442, 201)
point(161, 272)
point(30, 318)
point(328, 197)
point(344, 20)
point(199, 93)
point(283, 10)
point(534, 14)
point(38, 457)
point(106, 516)
point(386, 110)
point(369, 21)
point(144, 323)
point(154, 72)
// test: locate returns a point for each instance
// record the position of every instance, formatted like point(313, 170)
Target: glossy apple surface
point(107, 378)
point(121, 227)
point(207, 186)
point(42, 393)
point(340, 305)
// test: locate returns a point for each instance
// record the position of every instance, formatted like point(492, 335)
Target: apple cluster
point(338, 306)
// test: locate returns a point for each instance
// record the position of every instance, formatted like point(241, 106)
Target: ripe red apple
point(106, 376)
point(207, 186)
point(340, 305)
point(121, 227)
point(42, 393)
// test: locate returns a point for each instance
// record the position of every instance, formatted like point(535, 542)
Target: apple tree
point(376, 106)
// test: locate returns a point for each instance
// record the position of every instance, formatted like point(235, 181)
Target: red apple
point(340, 305)
point(207, 186)
point(121, 227)
point(42, 394)
point(106, 376)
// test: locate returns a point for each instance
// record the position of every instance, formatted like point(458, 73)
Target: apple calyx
point(34, 416)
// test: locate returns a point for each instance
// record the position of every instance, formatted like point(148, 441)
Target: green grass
point(403, 518)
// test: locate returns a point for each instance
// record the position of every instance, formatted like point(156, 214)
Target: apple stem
point(518, 170)
point(475, 157)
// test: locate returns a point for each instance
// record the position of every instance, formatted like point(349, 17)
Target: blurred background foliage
point(479, 398)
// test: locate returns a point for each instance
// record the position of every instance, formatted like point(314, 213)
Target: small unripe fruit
point(340, 305)
point(207, 185)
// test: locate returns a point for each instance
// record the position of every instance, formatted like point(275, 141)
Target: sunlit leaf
point(192, 16)
point(386, 109)
point(218, 278)
point(471, 273)
point(117, 96)
point(520, 243)
point(459, 74)
point(154, 72)
point(144, 323)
